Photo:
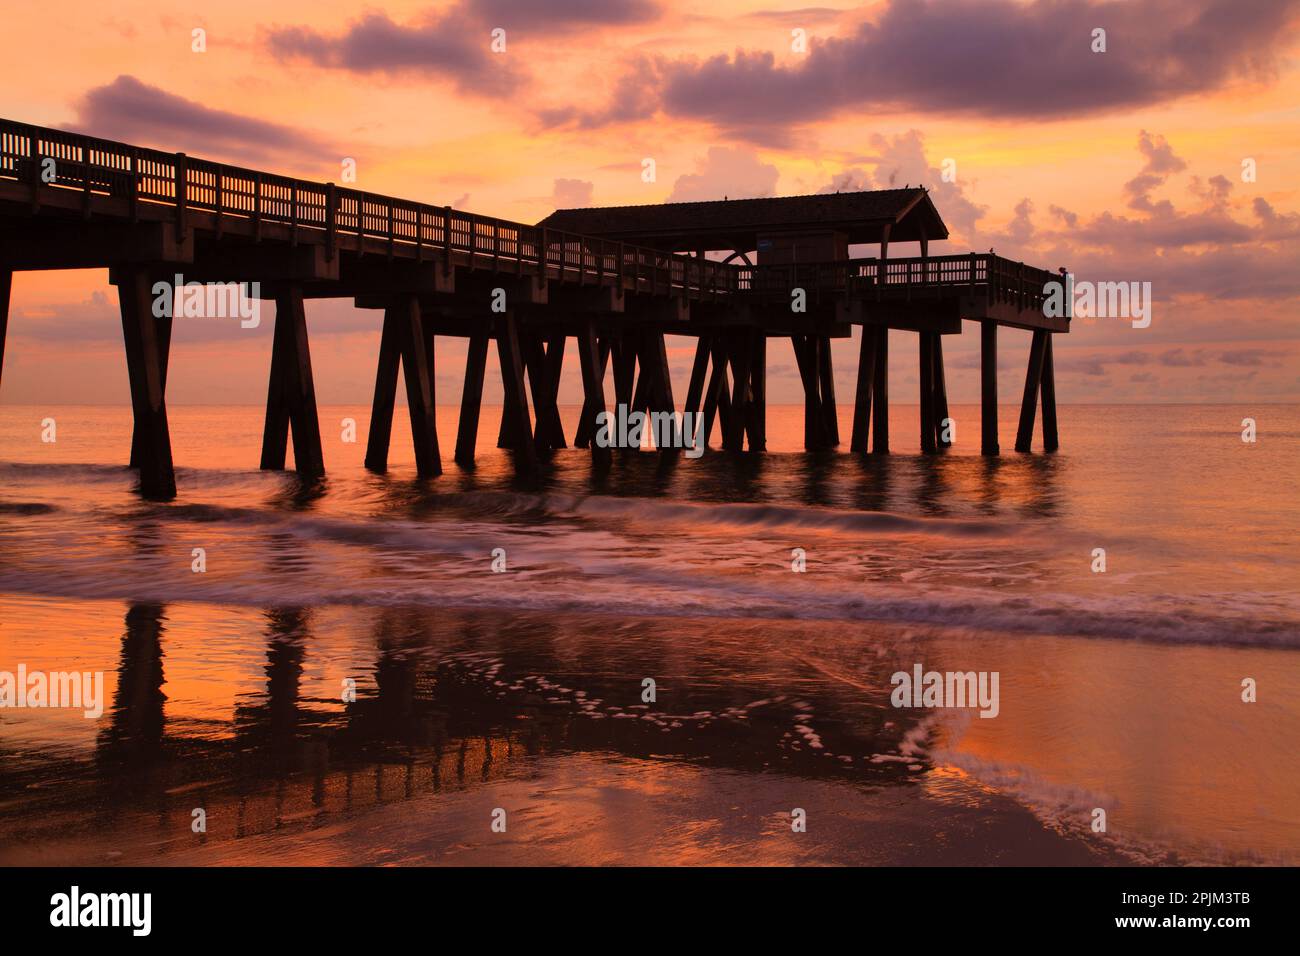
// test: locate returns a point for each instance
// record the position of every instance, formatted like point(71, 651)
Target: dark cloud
point(454, 47)
point(455, 44)
point(134, 112)
point(633, 99)
point(559, 15)
point(1248, 357)
point(991, 58)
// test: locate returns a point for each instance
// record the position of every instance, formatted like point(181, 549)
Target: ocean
point(627, 668)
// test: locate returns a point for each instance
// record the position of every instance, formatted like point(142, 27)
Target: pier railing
point(98, 167)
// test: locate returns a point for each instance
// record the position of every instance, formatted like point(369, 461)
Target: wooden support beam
point(593, 389)
point(741, 349)
point(291, 394)
point(471, 400)
point(418, 371)
point(880, 394)
point(144, 371)
point(512, 380)
point(381, 410)
point(1051, 441)
point(989, 388)
point(583, 437)
point(543, 362)
point(624, 353)
point(699, 370)
point(826, 382)
point(757, 422)
point(717, 398)
point(940, 395)
point(862, 403)
point(806, 348)
point(925, 341)
point(6, 286)
point(1033, 379)
point(655, 355)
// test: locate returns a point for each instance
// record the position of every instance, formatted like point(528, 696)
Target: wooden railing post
point(331, 220)
point(446, 237)
point(257, 207)
point(135, 186)
point(85, 178)
point(181, 187)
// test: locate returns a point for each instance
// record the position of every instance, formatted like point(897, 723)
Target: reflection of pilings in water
point(1043, 486)
point(933, 488)
point(873, 491)
point(135, 731)
point(275, 722)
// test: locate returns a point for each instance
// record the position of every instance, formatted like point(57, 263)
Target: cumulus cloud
point(572, 193)
point(726, 172)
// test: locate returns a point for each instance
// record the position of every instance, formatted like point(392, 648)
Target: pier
point(731, 274)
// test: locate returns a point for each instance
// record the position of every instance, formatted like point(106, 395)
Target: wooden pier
point(615, 279)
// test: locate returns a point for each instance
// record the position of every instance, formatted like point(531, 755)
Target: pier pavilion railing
point(1004, 280)
point(102, 167)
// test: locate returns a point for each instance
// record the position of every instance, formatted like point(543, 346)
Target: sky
point(1172, 157)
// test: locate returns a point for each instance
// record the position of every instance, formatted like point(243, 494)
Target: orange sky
point(1121, 165)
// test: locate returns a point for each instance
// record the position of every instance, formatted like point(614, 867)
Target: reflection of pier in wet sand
point(441, 712)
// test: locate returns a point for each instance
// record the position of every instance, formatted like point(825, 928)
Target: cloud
point(634, 99)
point(135, 112)
point(572, 193)
point(453, 47)
point(555, 16)
point(1160, 164)
point(999, 59)
point(1198, 249)
point(727, 173)
point(454, 44)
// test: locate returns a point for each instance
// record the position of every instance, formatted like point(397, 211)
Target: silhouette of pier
point(617, 280)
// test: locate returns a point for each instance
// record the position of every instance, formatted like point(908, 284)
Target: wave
point(1263, 622)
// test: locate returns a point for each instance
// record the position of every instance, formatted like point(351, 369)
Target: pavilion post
point(862, 402)
point(1051, 441)
point(1033, 379)
point(988, 387)
point(826, 383)
point(880, 394)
